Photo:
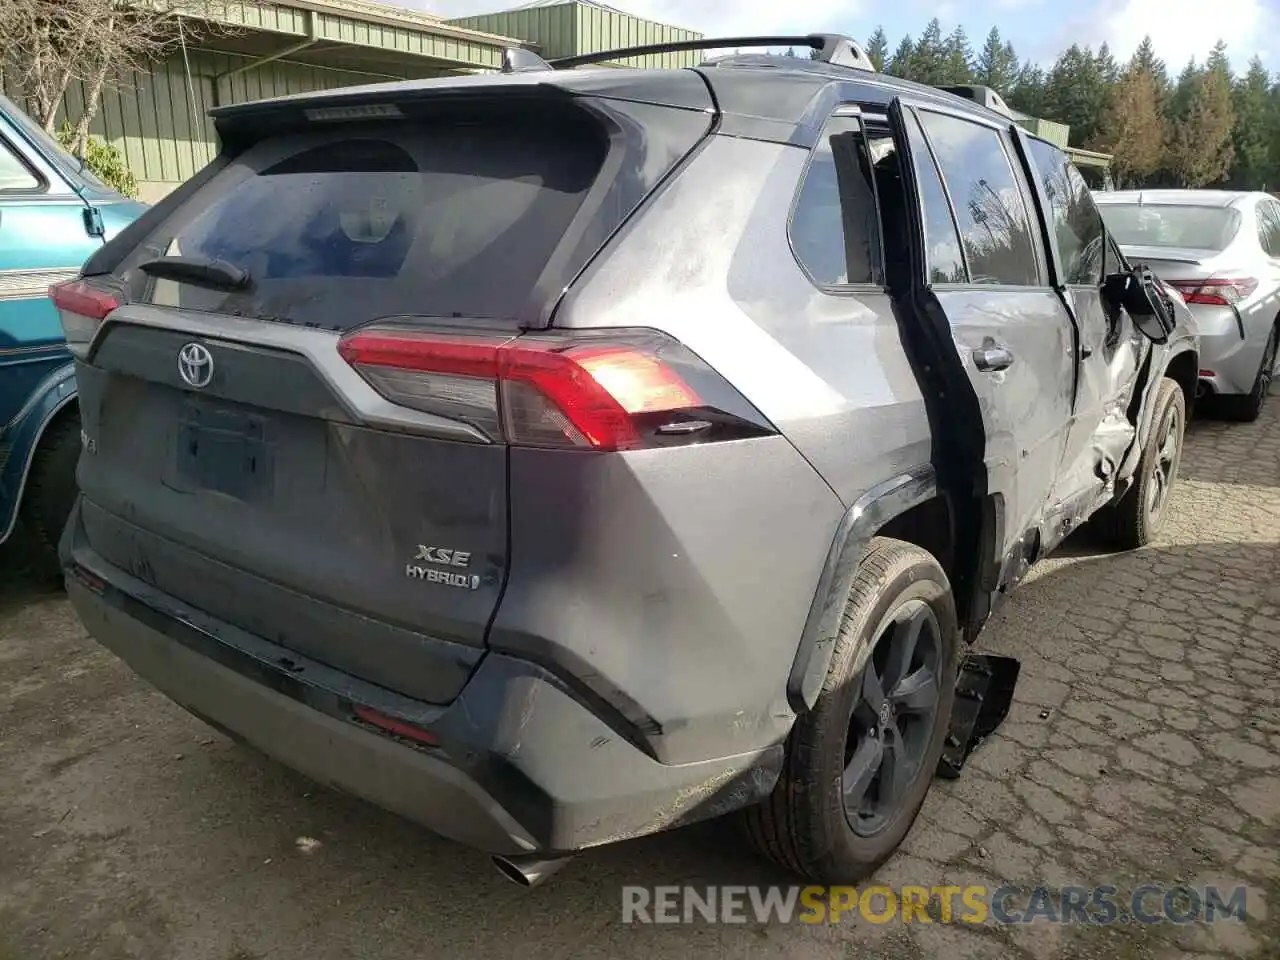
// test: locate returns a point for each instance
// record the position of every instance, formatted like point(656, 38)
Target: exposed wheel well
point(1184, 369)
point(929, 526)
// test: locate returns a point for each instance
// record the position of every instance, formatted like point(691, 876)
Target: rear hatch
point(239, 462)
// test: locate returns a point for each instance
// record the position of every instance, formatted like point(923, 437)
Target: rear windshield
point(353, 222)
point(1170, 225)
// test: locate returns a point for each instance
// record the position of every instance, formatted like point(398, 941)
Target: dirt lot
point(1145, 747)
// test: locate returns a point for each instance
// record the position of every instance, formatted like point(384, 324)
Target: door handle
point(991, 357)
point(1086, 352)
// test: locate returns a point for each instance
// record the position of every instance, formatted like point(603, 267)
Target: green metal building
point(265, 48)
point(159, 118)
point(566, 28)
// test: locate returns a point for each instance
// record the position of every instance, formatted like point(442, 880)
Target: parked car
point(53, 214)
point(1222, 250)
point(560, 456)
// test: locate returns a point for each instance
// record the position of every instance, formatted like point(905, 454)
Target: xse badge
point(426, 566)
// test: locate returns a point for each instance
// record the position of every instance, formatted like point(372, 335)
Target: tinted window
point(834, 230)
point(1113, 260)
point(349, 224)
point(1171, 225)
point(987, 198)
point(14, 174)
point(942, 243)
point(1076, 220)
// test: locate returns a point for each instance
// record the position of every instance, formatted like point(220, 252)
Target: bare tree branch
point(51, 44)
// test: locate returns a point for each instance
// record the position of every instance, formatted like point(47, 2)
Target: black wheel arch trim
point(858, 526)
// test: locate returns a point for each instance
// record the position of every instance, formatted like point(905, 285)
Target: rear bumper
point(521, 765)
point(1228, 362)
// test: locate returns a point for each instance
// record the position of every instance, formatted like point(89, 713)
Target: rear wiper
point(207, 273)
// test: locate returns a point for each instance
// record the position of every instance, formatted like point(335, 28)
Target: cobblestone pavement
point(1144, 747)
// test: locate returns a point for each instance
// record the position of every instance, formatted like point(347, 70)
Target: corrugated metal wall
point(567, 29)
point(553, 28)
point(339, 26)
point(161, 123)
point(601, 29)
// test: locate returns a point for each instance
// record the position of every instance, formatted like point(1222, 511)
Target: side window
point(1269, 227)
point(835, 230)
point(941, 242)
point(1113, 260)
point(15, 175)
point(989, 202)
point(1076, 220)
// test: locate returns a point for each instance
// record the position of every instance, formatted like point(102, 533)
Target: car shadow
point(20, 582)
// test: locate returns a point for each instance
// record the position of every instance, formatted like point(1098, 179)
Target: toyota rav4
point(559, 456)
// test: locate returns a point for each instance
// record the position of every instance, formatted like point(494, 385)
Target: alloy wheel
point(893, 718)
point(1164, 467)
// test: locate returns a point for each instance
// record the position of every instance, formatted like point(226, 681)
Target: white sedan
point(1221, 250)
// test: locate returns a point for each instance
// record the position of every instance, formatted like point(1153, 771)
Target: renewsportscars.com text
point(1101, 905)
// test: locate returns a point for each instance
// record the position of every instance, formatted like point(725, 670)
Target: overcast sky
point(1179, 28)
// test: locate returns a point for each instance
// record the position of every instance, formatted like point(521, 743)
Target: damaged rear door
point(1005, 325)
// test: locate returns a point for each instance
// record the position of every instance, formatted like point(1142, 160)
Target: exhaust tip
point(528, 872)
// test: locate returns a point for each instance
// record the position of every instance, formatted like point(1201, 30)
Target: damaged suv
point(559, 456)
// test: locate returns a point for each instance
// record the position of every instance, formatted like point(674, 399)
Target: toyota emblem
point(195, 365)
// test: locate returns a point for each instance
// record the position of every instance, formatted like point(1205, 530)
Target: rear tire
point(808, 825)
point(1247, 408)
point(1135, 519)
point(51, 490)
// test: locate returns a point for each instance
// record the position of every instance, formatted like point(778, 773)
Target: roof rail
point(831, 48)
point(983, 95)
point(520, 60)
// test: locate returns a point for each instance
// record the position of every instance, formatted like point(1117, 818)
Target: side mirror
point(1135, 291)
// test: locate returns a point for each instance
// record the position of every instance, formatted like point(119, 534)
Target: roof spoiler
point(830, 48)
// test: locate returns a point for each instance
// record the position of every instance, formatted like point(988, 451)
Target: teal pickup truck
point(54, 213)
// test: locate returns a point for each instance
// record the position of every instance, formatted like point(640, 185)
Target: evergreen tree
point(902, 63)
point(878, 48)
point(1179, 102)
point(1132, 130)
point(1145, 59)
point(997, 65)
point(928, 59)
point(1218, 60)
point(1076, 93)
point(1255, 127)
point(1030, 91)
point(1107, 66)
point(1204, 128)
point(957, 58)
point(1200, 149)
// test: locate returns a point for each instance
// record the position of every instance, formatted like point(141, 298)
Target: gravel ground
point(1144, 746)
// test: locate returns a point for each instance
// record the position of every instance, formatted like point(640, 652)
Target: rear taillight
point(82, 307)
point(1218, 292)
point(623, 391)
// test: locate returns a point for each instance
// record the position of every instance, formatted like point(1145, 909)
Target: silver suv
point(560, 456)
